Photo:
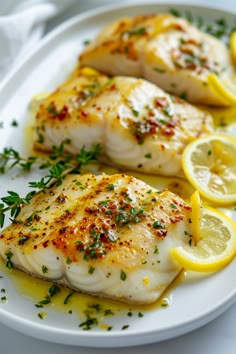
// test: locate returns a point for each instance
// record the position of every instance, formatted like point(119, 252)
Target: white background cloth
point(22, 24)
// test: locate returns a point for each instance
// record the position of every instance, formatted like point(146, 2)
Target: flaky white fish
point(109, 236)
point(137, 125)
point(169, 52)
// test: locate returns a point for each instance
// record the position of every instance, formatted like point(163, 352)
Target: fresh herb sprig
point(59, 164)
point(13, 203)
point(218, 28)
point(11, 158)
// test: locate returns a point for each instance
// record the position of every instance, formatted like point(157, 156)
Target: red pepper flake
point(161, 102)
point(112, 87)
point(84, 114)
point(57, 114)
point(63, 230)
point(161, 233)
point(168, 131)
point(90, 210)
point(37, 217)
point(45, 244)
point(61, 198)
point(163, 147)
point(179, 27)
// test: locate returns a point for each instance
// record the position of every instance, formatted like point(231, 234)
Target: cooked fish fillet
point(166, 50)
point(137, 125)
point(105, 235)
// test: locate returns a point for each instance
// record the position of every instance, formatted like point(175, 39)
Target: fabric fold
point(23, 26)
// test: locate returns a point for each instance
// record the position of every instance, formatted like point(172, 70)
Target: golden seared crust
point(165, 50)
point(137, 125)
point(109, 236)
point(95, 218)
point(127, 36)
point(66, 102)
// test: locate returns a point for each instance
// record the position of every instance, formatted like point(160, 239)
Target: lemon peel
point(223, 89)
point(196, 216)
point(232, 45)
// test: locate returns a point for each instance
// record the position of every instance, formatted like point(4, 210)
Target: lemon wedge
point(224, 89)
point(209, 164)
point(196, 216)
point(232, 45)
point(216, 247)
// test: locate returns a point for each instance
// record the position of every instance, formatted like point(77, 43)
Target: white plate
point(194, 302)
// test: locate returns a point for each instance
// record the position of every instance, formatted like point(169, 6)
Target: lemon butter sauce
point(81, 306)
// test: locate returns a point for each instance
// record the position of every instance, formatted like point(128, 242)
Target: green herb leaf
point(123, 275)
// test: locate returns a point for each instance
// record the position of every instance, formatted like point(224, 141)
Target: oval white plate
point(195, 302)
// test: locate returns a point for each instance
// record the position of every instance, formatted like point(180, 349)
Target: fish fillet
point(166, 50)
point(137, 125)
point(109, 236)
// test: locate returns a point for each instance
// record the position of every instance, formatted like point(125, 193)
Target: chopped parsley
point(14, 123)
point(91, 270)
point(173, 206)
point(123, 275)
point(160, 71)
point(68, 297)
point(110, 187)
point(158, 224)
point(9, 264)
point(44, 269)
point(89, 323)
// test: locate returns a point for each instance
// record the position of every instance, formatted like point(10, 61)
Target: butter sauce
point(82, 305)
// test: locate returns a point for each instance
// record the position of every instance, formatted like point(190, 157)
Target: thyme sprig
point(218, 28)
point(59, 164)
point(10, 158)
point(13, 203)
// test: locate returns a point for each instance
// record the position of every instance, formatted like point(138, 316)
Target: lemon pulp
point(216, 247)
point(209, 164)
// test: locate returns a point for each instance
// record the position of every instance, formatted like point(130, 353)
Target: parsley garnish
point(110, 187)
point(158, 225)
point(14, 123)
point(135, 32)
point(52, 291)
point(44, 269)
point(89, 323)
point(173, 206)
point(123, 275)
point(9, 255)
point(68, 297)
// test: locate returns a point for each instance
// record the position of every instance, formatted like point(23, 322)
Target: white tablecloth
point(217, 337)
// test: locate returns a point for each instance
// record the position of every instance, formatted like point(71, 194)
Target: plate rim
point(102, 10)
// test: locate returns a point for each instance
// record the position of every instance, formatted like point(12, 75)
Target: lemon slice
point(224, 89)
point(196, 216)
point(216, 247)
point(209, 164)
point(232, 45)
